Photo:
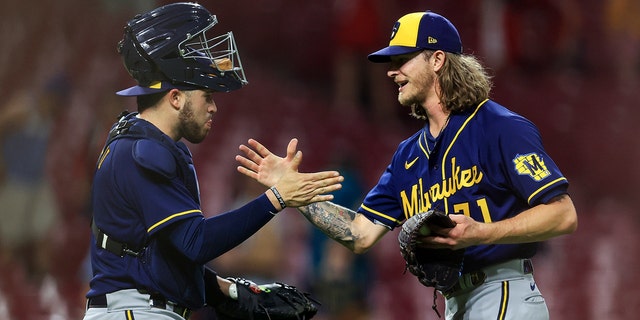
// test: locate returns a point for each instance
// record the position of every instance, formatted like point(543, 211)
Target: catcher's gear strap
point(122, 126)
point(105, 242)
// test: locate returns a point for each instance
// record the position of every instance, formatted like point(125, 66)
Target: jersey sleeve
point(381, 204)
point(530, 171)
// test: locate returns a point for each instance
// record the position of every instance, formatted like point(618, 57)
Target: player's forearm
point(334, 220)
point(539, 223)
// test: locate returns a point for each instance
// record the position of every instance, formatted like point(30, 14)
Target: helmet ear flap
point(137, 63)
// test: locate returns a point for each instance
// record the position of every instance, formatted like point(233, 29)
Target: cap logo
point(405, 31)
point(394, 31)
point(432, 40)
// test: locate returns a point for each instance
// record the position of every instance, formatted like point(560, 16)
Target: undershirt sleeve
point(204, 239)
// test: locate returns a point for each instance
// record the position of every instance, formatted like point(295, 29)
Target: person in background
point(30, 208)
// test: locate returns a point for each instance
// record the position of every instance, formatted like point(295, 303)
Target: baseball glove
point(438, 268)
point(273, 301)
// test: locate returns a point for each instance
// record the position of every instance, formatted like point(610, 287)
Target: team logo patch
point(532, 165)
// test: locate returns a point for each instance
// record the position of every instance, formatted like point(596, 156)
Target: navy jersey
point(143, 185)
point(488, 164)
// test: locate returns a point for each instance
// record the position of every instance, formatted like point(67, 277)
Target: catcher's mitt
point(438, 268)
point(273, 301)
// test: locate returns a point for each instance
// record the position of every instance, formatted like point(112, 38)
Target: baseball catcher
point(438, 268)
point(150, 238)
point(273, 301)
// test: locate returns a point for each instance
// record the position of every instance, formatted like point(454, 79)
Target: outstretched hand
point(297, 189)
point(265, 167)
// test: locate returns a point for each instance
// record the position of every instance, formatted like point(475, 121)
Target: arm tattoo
point(332, 219)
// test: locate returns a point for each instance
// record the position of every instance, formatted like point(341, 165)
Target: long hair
point(464, 83)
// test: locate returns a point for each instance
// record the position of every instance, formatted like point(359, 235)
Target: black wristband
point(278, 196)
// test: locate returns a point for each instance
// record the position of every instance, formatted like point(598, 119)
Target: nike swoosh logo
point(408, 165)
point(533, 286)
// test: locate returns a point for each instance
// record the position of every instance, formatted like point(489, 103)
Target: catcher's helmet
point(168, 44)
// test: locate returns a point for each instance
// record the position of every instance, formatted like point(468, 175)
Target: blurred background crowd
point(572, 67)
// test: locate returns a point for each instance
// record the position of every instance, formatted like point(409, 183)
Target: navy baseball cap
point(154, 87)
point(420, 31)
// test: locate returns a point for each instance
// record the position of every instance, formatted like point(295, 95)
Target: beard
point(415, 93)
point(416, 98)
point(190, 129)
